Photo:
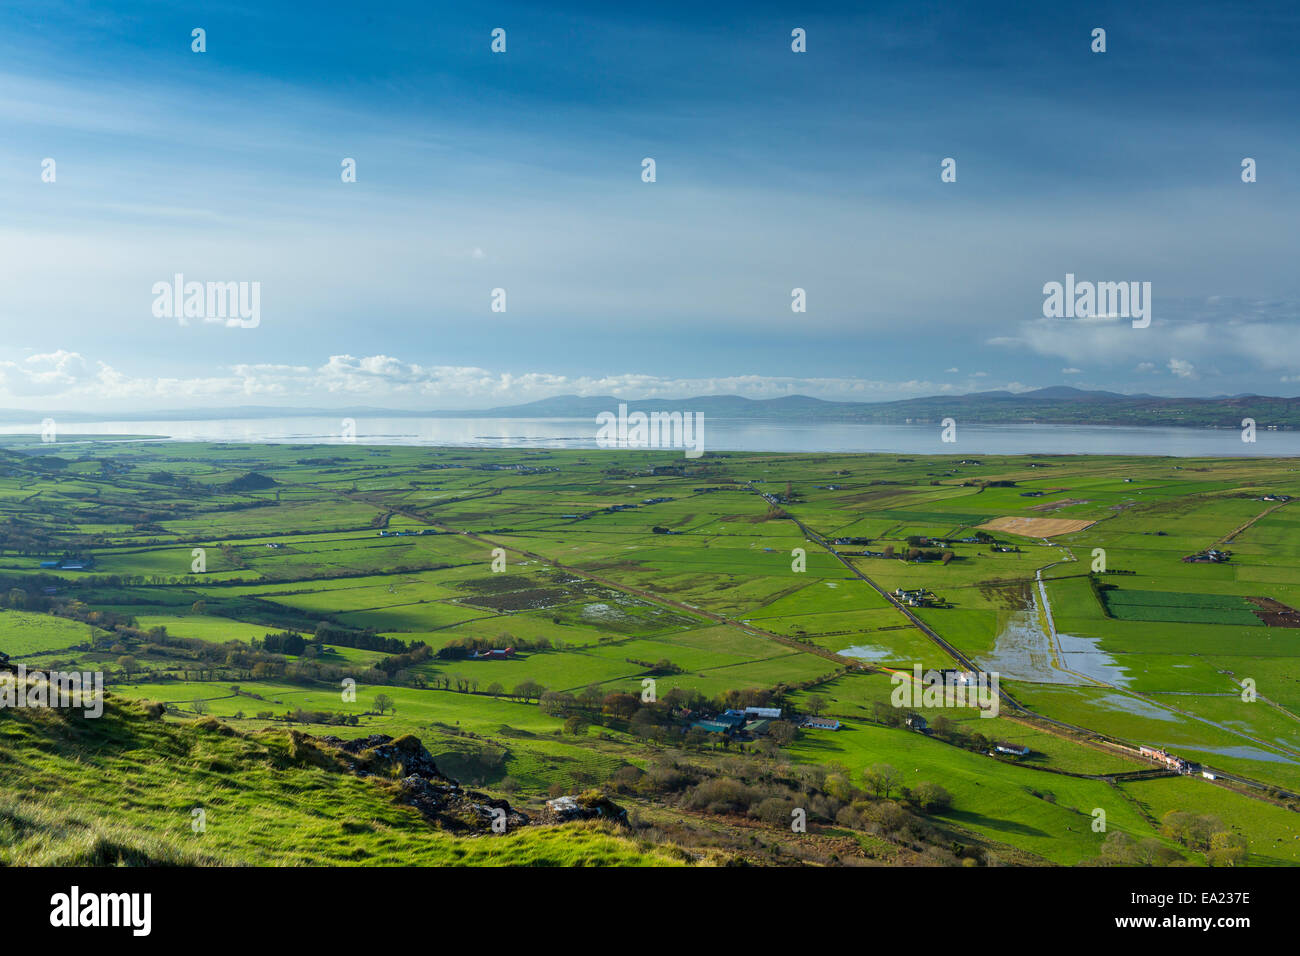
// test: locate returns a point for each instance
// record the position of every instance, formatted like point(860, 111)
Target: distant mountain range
point(1058, 405)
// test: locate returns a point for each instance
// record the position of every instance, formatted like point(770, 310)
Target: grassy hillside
point(122, 790)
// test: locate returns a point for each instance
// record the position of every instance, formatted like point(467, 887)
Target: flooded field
point(1025, 651)
point(1131, 705)
point(1246, 753)
point(867, 652)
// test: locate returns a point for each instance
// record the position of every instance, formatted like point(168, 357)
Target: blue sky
point(522, 171)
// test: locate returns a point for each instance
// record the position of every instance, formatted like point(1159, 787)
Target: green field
point(386, 569)
point(1180, 608)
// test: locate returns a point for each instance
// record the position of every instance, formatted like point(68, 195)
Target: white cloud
point(1203, 334)
point(45, 374)
point(384, 379)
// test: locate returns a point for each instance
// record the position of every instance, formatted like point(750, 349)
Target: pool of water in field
point(1247, 753)
point(1084, 656)
point(867, 652)
point(1023, 651)
point(1136, 707)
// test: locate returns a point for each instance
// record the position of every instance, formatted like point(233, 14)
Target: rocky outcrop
point(422, 785)
point(588, 806)
point(380, 753)
point(461, 810)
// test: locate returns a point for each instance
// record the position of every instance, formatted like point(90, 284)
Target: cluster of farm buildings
point(1210, 556)
point(1169, 760)
point(69, 564)
point(918, 597)
point(751, 722)
point(920, 725)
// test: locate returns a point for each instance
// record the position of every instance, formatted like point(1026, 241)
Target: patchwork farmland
point(623, 626)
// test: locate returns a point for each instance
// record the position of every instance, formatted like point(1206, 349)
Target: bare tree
point(881, 778)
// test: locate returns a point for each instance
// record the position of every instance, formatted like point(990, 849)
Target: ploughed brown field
point(1036, 527)
point(1275, 613)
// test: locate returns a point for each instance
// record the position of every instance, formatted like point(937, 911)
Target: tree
point(383, 702)
point(885, 714)
point(1228, 849)
point(495, 689)
point(129, 665)
point(931, 797)
point(816, 704)
point(645, 723)
point(1118, 849)
point(575, 726)
point(889, 816)
point(1151, 852)
point(881, 778)
point(696, 738)
point(1190, 829)
point(621, 705)
point(782, 732)
point(200, 707)
point(528, 690)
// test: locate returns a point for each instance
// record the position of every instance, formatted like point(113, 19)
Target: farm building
point(1212, 556)
point(500, 655)
point(921, 597)
point(915, 722)
point(821, 723)
point(1014, 750)
point(1166, 758)
point(713, 726)
point(772, 713)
